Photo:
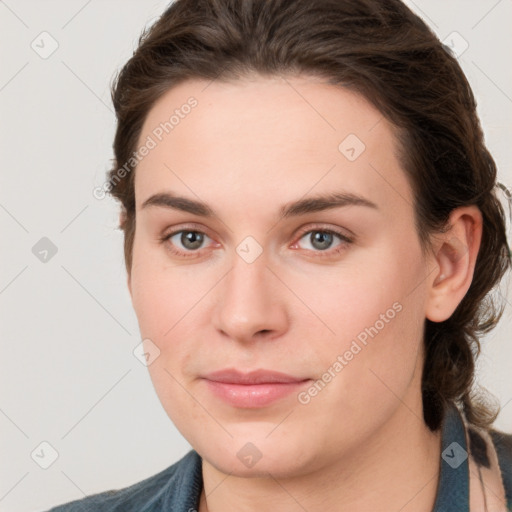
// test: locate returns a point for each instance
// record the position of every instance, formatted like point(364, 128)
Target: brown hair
point(383, 51)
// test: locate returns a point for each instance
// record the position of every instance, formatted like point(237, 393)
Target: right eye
point(190, 240)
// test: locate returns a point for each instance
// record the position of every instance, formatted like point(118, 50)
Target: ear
point(122, 220)
point(129, 283)
point(454, 257)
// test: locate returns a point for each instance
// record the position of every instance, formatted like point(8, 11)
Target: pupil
point(324, 239)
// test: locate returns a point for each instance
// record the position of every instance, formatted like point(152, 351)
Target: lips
point(232, 376)
point(252, 390)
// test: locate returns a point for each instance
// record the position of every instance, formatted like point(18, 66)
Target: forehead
point(260, 136)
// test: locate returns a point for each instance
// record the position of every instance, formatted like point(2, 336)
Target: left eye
point(321, 240)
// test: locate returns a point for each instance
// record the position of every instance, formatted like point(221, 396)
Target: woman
point(311, 233)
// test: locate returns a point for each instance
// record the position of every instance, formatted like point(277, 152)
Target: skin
point(246, 149)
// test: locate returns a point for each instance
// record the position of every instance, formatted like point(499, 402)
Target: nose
point(250, 302)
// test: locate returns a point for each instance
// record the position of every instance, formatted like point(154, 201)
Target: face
point(330, 293)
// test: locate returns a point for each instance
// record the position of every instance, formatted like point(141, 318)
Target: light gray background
point(68, 374)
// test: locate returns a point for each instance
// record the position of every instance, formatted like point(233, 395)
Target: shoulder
point(503, 444)
point(179, 484)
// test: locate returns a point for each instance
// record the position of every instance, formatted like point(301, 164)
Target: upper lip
point(261, 376)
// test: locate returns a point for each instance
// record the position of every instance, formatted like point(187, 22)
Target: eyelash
point(318, 229)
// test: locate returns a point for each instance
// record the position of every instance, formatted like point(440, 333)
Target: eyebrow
point(301, 207)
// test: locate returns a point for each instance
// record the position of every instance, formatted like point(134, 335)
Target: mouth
point(254, 389)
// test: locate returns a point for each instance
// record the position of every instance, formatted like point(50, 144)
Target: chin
point(253, 456)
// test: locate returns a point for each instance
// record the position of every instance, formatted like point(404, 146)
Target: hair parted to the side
point(386, 53)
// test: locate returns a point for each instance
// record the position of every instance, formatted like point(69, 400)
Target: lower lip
point(252, 396)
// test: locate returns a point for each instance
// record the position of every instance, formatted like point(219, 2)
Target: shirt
point(178, 487)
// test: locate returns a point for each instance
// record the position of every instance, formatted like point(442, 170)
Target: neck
point(396, 469)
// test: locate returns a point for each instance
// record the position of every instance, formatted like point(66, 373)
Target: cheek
point(373, 328)
point(348, 301)
point(381, 347)
point(163, 311)
point(161, 294)
point(374, 313)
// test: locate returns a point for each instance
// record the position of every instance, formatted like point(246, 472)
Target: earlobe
point(455, 255)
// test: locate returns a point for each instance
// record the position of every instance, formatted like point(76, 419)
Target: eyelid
point(186, 227)
point(348, 236)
